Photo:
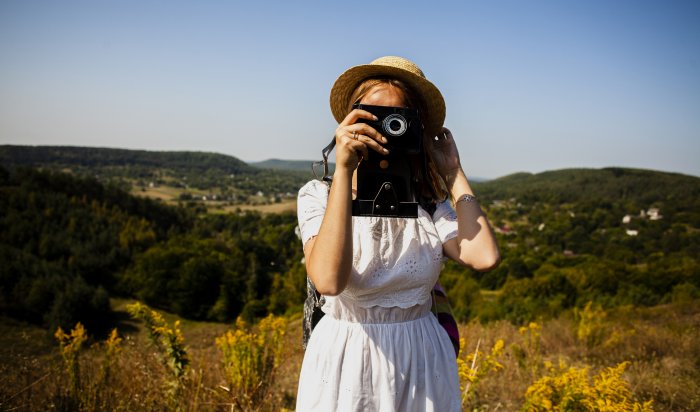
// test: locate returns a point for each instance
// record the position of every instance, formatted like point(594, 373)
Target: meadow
point(627, 359)
point(595, 305)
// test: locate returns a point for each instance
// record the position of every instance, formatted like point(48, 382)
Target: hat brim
point(347, 82)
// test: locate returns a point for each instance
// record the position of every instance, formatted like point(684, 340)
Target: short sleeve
point(445, 220)
point(311, 206)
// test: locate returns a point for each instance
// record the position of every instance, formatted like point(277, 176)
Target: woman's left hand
point(443, 151)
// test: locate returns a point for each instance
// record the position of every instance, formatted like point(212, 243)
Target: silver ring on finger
point(354, 135)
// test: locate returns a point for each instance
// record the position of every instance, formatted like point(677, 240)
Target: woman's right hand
point(329, 254)
point(353, 140)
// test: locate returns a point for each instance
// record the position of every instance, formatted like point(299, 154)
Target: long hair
point(431, 186)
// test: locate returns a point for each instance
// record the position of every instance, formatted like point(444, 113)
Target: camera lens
point(395, 125)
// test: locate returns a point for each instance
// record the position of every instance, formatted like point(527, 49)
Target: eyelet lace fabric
point(396, 261)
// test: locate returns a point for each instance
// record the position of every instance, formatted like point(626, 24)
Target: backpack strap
point(312, 311)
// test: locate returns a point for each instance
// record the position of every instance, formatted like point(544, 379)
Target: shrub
point(251, 358)
point(77, 301)
point(591, 328)
point(547, 294)
point(464, 298)
point(71, 345)
point(475, 366)
point(169, 342)
point(529, 354)
point(570, 389)
point(685, 293)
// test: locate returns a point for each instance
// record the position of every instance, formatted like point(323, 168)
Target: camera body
point(400, 125)
point(386, 184)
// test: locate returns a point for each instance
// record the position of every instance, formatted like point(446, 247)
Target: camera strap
point(325, 152)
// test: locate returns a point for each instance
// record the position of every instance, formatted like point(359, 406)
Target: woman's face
point(384, 95)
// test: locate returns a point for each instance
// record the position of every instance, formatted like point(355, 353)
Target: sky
point(530, 86)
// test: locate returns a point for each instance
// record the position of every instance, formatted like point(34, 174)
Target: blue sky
point(529, 85)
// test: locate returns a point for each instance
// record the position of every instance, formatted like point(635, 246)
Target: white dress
point(379, 348)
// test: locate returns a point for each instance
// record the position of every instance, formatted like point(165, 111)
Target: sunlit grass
point(654, 357)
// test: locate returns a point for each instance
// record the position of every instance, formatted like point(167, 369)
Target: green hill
point(65, 240)
point(577, 185)
point(613, 236)
point(224, 176)
point(68, 243)
point(93, 157)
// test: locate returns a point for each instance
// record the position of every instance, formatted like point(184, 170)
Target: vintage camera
point(386, 184)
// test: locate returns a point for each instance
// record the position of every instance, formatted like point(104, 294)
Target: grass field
point(165, 193)
point(288, 205)
point(171, 195)
point(659, 345)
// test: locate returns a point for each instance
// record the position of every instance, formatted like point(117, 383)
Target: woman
point(379, 348)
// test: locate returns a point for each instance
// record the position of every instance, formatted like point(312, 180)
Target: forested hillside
point(225, 177)
point(631, 187)
point(613, 236)
point(68, 243)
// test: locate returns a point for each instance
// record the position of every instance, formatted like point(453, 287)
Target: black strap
point(325, 152)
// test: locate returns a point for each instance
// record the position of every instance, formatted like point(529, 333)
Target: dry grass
point(287, 205)
point(660, 344)
point(168, 194)
point(171, 195)
point(33, 377)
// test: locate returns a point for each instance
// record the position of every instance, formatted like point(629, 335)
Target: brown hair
point(431, 186)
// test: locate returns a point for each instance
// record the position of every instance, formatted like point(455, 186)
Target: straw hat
point(394, 67)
